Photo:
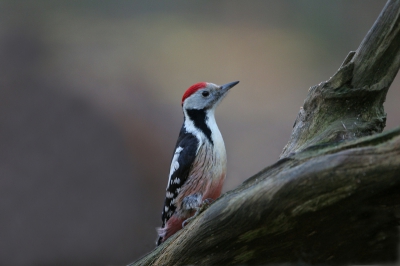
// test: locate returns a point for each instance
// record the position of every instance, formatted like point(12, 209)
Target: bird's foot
point(204, 205)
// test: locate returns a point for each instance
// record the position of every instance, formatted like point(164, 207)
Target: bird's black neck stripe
point(199, 119)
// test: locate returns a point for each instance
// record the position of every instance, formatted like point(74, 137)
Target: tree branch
point(333, 197)
point(350, 104)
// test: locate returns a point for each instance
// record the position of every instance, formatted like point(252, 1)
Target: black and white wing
point(182, 161)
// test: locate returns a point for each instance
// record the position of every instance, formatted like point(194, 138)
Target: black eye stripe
point(205, 93)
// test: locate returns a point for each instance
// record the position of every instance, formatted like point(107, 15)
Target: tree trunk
point(333, 197)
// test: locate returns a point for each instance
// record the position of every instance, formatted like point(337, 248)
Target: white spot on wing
point(177, 180)
point(166, 208)
point(174, 164)
point(170, 195)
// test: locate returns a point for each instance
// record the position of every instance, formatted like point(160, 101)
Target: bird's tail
point(173, 225)
point(161, 234)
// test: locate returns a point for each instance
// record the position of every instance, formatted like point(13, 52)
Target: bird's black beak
point(227, 86)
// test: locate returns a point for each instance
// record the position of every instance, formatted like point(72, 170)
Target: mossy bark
point(334, 196)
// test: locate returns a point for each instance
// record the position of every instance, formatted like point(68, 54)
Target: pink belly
point(213, 191)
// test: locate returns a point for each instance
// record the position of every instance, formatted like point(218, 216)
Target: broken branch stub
point(350, 104)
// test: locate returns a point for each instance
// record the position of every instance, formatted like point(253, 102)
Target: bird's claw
point(187, 221)
point(207, 202)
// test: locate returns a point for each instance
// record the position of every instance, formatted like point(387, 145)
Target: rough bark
point(333, 197)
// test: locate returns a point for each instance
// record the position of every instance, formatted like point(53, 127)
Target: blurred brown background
point(90, 108)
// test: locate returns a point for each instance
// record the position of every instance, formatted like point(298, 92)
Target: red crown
point(192, 89)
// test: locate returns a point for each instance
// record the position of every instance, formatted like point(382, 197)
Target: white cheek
point(197, 102)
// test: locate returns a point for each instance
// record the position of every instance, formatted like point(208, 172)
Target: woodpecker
point(198, 166)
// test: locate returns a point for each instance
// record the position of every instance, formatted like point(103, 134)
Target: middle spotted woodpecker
point(198, 166)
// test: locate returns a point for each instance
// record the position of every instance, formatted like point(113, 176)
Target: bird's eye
point(205, 93)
